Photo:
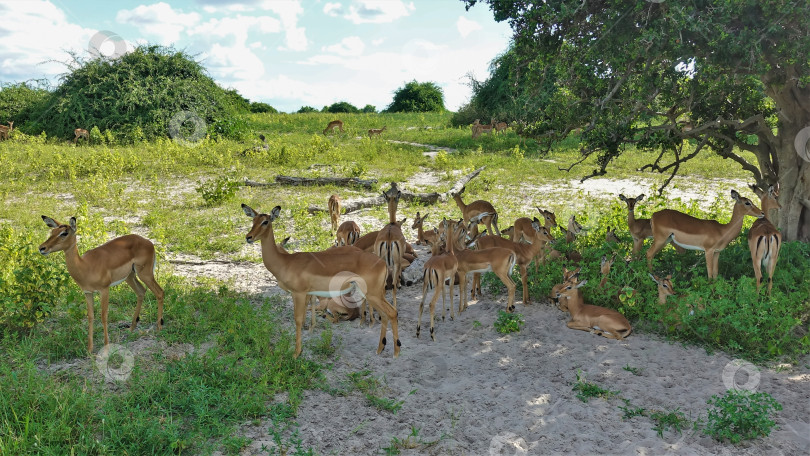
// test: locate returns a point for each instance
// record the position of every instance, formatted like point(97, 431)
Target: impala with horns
point(693, 233)
point(126, 258)
point(331, 273)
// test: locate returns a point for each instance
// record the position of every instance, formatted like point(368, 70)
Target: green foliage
point(370, 386)
point(306, 109)
point(741, 415)
point(259, 107)
point(219, 190)
point(666, 420)
point(342, 106)
point(587, 390)
point(508, 322)
point(137, 95)
point(369, 109)
point(18, 101)
point(417, 97)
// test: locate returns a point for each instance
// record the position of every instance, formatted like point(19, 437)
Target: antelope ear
point(655, 279)
point(604, 258)
point(249, 211)
point(582, 283)
point(72, 223)
point(669, 276)
point(417, 214)
point(423, 218)
point(639, 198)
point(50, 222)
point(735, 195)
point(622, 197)
point(275, 213)
point(285, 241)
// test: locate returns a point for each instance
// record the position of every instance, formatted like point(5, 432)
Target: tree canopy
point(417, 97)
point(678, 77)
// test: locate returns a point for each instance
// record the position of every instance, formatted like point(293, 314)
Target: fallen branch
point(422, 198)
point(306, 181)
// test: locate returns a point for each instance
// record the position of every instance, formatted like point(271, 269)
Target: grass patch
point(508, 322)
point(741, 415)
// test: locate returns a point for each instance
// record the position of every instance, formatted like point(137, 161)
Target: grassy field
point(220, 345)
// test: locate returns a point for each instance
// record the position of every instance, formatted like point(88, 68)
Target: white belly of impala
point(686, 246)
point(335, 293)
point(487, 269)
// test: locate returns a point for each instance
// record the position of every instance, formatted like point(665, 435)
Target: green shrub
point(508, 322)
point(218, 190)
point(306, 109)
point(259, 107)
point(342, 106)
point(741, 415)
point(418, 97)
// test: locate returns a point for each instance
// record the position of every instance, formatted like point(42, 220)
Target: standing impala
point(80, 133)
point(347, 233)
point(332, 125)
point(6, 131)
point(764, 240)
point(334, 211)
point(440, 268)
point(331, 273)
point(390, 243)
point(640, 229)
point(693, 233)
point(124, 258)
point(469, 211)
point(424, 237)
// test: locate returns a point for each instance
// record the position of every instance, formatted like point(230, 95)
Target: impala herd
point(357, 270)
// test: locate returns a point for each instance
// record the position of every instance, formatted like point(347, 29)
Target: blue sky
point(284, 52)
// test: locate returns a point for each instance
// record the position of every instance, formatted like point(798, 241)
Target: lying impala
point(332, 125)
point(764, 240)
point(334, 211)
point(692, 233)
point(331, 273)
point(124, 258)
point(390, 243)
point(440, 268)
point(594, 319)
point(424, 237)
point(347, 233)
point(568, 276)
point(469, 211)
point(525, 253)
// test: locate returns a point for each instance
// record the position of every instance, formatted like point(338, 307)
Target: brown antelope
point(692, 233)
point(5, 131)
point(594, 319)
point(468, 211)
point(640, 229)
point(366, 242)
point(523, 231)
point(390, 243)
point(423, 237)
point(764, 239)
point(500, 126)
point(499, 260)
point(332, 125)
point(80, 133)
point(604, 268)
point(347, 233)
point(571, 233)
point(568, 276)
point(610, 236)
point(478, 128)
point(440, 268)
point(331, 273)
point(375, 131)
point(124, 258)
point(524, 253)
point(665, 290)
point(334, 211)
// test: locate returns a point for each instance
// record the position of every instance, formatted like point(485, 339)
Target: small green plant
point(588, 390)
point(508, 322)
point(666, 420)
point(633, 370)
point(218, 191)
point(630, 411)
point(476, 324)
point(741, 415)
point(412, 441)
point(369, 385)
point(323, 345)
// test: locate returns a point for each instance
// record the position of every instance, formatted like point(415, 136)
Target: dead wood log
point(306, 181)
point(423, 198)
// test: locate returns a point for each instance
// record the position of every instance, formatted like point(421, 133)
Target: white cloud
point(370, 11)
point(378, 42)
point(159, 20)
point(35, 32)
point(289, 11)
point(466, 26)
point(349, 46)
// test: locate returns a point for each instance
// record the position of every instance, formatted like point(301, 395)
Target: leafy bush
point(342, 106)
point(369, 109)
point(418, 97)
point(259, 107)
point(306, 109)
point(18, 101)
point(218, 191)
point(740, 414)
point(136, 94)
point(508, 322)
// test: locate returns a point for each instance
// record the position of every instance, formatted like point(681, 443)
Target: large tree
point(721, 75)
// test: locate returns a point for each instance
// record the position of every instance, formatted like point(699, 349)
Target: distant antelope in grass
point(375, 131)
point(332, 125)
point(334, 211)
point(80, 133)
point(5, 131)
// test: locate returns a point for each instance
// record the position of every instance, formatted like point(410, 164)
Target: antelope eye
point(63, 234)
point(265, 222)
